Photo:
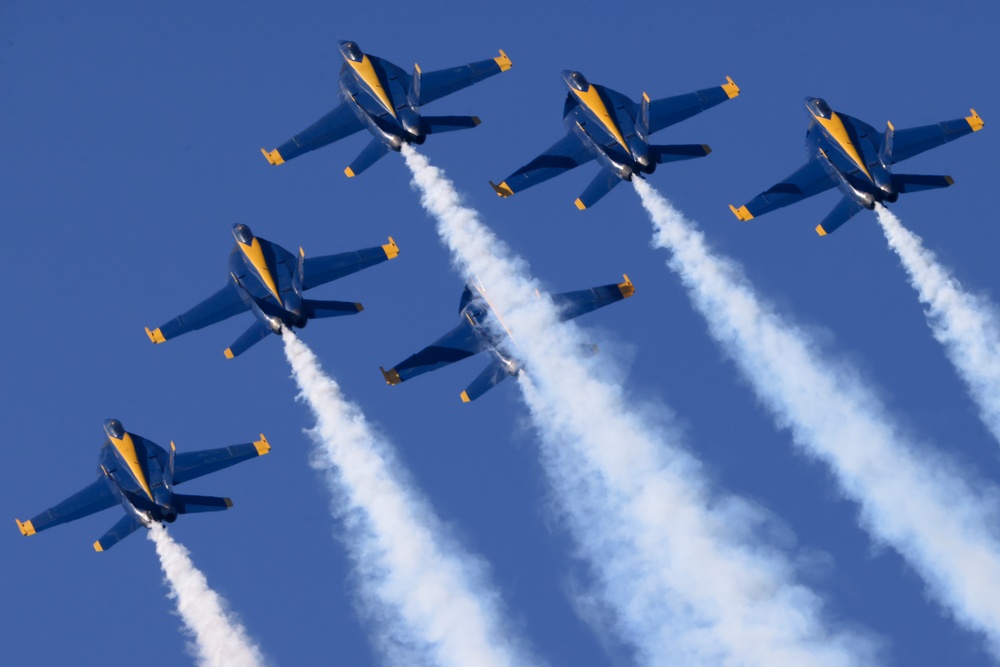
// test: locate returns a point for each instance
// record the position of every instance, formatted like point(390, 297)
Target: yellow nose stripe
point(591, 99)
point(255, 254)
point(126, 449)
point(835, 127)
point(366, 71)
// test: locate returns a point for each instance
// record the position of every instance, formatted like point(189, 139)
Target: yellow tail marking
point(391, 249)
point(274, 157)
point(591, 99)
point(262, 445)
point(26, 528)
point(835, 127)
point(155, 335)
point(366, 71)
point(255, 253)
point(731, 89)
point(503, 61)
point(742, 213)
point(126, 449)
point(975, 122)
point(627, 288)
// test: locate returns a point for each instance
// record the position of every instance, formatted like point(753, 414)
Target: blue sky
point(131, 138)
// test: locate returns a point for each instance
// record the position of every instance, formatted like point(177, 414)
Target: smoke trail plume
point(911, 498)
point(431, 602)
point(683, 573)
point(965, 324)
point(219, 638)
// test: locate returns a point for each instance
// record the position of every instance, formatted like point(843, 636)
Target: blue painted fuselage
point(269, 280)
point(142, 483)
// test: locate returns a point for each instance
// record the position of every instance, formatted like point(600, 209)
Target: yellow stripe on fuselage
point(592, 100)
point(367, 72)
point(835, 128)
point(255, 254)
point(126, 449)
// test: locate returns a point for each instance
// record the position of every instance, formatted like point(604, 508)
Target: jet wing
point(457, 344)
point(220, 306)
point(907, 143)
point(670, 110)
point(565, 154)
point(575, 304)
point(320, 270)
point(191, 465)
point(339, 123)
point(93, 498)
point(808, 180)
point(437, 84)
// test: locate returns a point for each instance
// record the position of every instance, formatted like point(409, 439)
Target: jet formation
point(605, 125)
point(268, 280)
point(477, 331)
point(856, 158)
point(140, 475)
point(383, 98)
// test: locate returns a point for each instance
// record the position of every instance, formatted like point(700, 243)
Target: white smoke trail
point(965, 324)
point(683, 573)
point(431, 602)
point(219, 638)
point(912, 498)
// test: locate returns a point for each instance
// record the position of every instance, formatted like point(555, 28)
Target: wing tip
point(262, 446)
point(155, 336)
point(229, 503)
point(391, 376)
point(975, 121)
point(391, 249)
point(579, 204)
point(503, 62)
point(820, 230)
point(742, 213)
point(730, 88)
point(465, 397)
point(627, 288)
point(349, 172)
point(97, 546)
point(229, 353)
point(26, 528)
point(502, 190)
point(273, 157)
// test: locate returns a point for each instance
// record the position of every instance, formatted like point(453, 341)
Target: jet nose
point(243, 234)
point(575, 80)
point(351, 51)
point(114, 429)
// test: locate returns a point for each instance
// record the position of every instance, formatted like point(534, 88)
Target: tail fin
point(643, 125)
point(315, 309)
point(885, 151)
point(678, 152)
point(257, 332)
point(840, 214)
point(195, 504)
point(413, 95)
point(375, 149)
point(602, 184)
point(127, 525)
point(439, 124)
point(491, 376)
point(916, 182)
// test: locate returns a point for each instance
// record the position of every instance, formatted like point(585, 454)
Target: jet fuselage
point(269, 280)
point(479, 312)
point(138, 473)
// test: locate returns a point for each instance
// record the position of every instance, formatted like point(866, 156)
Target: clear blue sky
point(131, 137)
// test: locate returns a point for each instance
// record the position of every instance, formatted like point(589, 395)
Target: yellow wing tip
point(349, 172)
point(26, 528)
point(975, 122)
point(391, 249)
point(502, 190)
point(730, 87)
point(503, 61)
point(97, 547)
point(820, 230)
point(706, 148)
point(274, 157)
point(477, 121)
point(579, 204)
point(627, 288)
point(742, 213)
point(229, 502)
point(391, 376)
point(156, 336)
point(359, 307)
point(229, 354)
point(262, 446)
point(465, 397)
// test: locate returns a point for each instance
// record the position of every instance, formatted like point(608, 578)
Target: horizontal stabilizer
point(916, 182)
point(127, 525)
point(602, 184)
point(195, 504)
point(674, 153)
point(439, 124)
point(375, 149)
point(491, 376)
point(257, 332)
point(841, 213)
point(315, 309)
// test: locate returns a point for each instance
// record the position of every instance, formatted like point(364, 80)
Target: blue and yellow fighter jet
point(381, 97)
point(140, 475)
point(268, 280)
point(604, 125)
point(858, 159)
point(474, 335)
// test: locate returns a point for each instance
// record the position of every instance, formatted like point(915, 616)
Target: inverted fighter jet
point(854, 156)
point(268, 280)
point(604, 125)
point(474, 334)
point(382, 98)
point(140, 475)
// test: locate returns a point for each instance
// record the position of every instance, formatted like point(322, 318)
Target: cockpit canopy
point(351, 51)
point(575, 80)
point(817, 106)
point(243, 234)
point(114, 429)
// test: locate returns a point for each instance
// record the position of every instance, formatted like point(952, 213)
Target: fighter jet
point(474, 334)
point(381, 97)
point(141, 475)
point(268, 280)
point(605, 125)
point(854, 156)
